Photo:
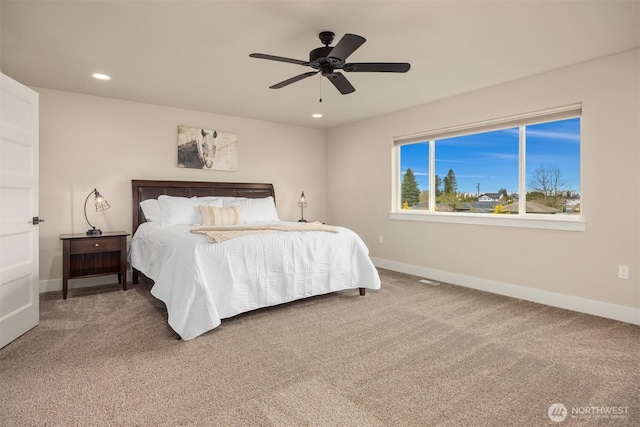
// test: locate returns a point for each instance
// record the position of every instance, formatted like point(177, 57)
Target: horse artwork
point(207, 149)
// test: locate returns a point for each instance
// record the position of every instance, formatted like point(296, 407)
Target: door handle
point(37, 220)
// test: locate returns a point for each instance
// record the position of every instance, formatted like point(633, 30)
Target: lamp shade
point(100, 202)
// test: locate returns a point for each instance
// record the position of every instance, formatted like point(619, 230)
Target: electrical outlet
point(380, 239)
point(623, 272)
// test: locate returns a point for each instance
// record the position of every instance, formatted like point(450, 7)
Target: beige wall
point(552, 263)
point(90, 142)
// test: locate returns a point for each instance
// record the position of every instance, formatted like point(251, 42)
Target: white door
point(19, 274)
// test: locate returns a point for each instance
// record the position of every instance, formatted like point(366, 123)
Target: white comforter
point(202, 282)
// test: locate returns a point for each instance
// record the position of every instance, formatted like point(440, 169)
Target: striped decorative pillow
point(221, 216)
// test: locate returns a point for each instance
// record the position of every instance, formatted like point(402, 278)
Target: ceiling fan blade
point(377, 67)
point(278, 58)
point(293, 80)
point(346, 46)
point(341, 83)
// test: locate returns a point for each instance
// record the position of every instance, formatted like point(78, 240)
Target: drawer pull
point(97, 244)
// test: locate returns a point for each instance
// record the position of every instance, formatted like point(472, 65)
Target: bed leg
point(362, 291)
point(134, 276)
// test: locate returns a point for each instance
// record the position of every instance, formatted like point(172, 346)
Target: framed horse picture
point(200, 148)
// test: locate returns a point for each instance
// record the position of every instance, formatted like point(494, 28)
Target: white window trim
point(565, 223)
point(527, 220)
point(551, 114)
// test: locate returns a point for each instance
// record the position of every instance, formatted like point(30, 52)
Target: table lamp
point(101, 205)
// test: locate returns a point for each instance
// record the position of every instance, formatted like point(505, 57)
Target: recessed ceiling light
point(316, 115)
point(100, 76)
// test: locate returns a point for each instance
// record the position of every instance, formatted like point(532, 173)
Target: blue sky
point(490, 159)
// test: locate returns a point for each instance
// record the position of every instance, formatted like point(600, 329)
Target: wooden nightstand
point(94, 256)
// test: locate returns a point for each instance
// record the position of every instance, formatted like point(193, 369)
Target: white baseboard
point(582, 305)
point(50, 285)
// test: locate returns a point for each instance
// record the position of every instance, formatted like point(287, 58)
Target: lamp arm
point(85, 208)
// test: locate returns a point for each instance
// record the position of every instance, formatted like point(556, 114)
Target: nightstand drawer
point(103, 244)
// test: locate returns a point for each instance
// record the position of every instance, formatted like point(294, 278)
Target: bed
point(201, 282)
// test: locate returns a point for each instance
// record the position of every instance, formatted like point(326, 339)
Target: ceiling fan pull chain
point(320, 87)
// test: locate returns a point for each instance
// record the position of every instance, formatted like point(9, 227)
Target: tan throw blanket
point(218, 234)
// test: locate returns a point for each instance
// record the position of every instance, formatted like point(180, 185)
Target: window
point(523, 166)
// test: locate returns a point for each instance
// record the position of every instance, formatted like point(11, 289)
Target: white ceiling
point(195, 54)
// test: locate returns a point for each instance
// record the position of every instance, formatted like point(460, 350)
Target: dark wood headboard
point(146, 189)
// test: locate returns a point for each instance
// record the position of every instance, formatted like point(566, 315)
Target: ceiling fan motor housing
point(319, 59)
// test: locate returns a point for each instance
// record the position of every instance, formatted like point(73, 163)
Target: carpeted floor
point(410, 354)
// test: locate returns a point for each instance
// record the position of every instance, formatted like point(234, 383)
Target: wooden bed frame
point(149, 189)
point(146, 189)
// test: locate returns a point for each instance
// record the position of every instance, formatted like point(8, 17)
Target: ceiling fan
point(326, 60)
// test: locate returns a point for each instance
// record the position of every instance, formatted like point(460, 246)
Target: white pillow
point(256, 210)
point(182, 210)
point(221, 216)
point(151, 210)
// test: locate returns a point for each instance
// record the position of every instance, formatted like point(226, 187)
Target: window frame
point(521, 220)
